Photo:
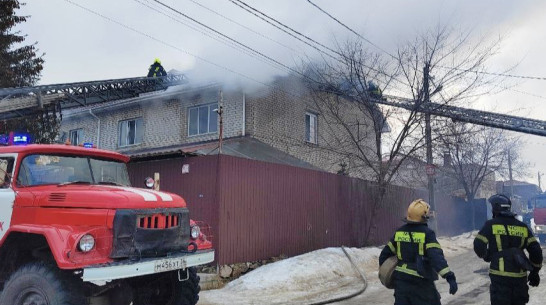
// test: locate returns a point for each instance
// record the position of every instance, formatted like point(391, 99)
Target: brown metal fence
point(258, 210)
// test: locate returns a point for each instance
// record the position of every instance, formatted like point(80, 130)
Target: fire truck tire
point(166, 289)
point(41, 284)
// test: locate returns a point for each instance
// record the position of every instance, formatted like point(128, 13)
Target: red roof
point(63, 149)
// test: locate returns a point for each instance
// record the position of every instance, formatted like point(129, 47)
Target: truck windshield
point(540, 203)
point(62, 170)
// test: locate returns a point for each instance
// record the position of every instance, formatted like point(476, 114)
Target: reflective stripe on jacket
point(419, 253)
point(497, 241)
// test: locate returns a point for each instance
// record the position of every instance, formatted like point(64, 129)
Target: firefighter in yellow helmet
point(420, 259)
point(156, 69)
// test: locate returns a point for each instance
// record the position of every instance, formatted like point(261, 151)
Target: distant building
point(413, 173)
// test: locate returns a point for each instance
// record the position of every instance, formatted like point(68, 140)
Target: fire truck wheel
point(166, 289)
point(40, 284)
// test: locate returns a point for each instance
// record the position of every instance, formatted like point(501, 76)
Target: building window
point(202, 120)
point(76, 136)
point(130, 132)
point(311, 128)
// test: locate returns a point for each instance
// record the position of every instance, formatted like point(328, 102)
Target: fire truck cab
point(73, 231)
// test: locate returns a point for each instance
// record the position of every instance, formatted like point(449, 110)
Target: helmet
point(418, 211)
point(156, 60)
point(500, 203)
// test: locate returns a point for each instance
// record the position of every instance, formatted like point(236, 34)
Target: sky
point(85, 40)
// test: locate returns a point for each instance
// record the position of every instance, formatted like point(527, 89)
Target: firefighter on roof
point(156, 69)
point(420, 260)
point(501, 242)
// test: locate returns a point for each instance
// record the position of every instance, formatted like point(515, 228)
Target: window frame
point(79, 132)
point(307, 137)
point(136, 119)
point(10, 172)
point(210, 108)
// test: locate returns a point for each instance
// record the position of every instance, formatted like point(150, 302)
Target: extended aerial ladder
point(19, 102)
point(478, 117)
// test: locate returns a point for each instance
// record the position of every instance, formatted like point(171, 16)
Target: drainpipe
point(98, 126)
point(244, 114)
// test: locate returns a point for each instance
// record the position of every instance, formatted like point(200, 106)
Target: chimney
point(447, 159)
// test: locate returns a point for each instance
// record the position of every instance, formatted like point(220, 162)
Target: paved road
point(472, 277)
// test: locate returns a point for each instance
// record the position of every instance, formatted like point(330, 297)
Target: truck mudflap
point(100, 275)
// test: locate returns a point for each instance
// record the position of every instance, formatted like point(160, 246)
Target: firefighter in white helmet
point(420, 259)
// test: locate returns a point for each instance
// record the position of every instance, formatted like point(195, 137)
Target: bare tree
point(476, 154)
point(344, 90)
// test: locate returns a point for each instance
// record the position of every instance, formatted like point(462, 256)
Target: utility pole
point(428, 139)
point(510, 174)
point(220, 111)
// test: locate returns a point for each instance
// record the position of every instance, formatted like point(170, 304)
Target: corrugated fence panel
point(259, 210)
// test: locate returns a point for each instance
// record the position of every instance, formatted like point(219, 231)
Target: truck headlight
point(195, 231)
point(87, 243)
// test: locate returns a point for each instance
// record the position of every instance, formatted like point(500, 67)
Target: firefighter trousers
point(508, 290)
point(412, 290)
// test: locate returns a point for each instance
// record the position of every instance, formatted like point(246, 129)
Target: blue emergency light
point(15, 138)
point(88, 145)
point(21, 139)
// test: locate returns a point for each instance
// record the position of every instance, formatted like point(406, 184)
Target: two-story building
point(278, 123)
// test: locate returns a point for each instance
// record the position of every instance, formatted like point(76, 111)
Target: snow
point(328, 273)
point(458, 244)
point(311, 276)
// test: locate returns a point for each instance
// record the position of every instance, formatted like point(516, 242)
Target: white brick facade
point(273, 116)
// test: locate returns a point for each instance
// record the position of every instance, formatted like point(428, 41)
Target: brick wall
point(165, 119)
point(273, 115)
point(277, 117)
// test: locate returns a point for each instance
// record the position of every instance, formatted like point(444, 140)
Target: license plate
point(170, 264)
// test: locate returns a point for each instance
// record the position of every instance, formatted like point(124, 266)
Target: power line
point(283, 30)
point(243, 26)
point(182, 50)
point(257, 13)
point(353, 31)
point(495, 74)
point(242, 3)
point(163, 42)
point(225, 36)
point(211, 35)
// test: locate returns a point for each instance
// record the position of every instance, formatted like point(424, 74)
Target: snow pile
point(325, 273)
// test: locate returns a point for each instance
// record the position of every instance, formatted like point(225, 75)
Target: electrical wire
point(243, 26)
point(247, 7)
point(353, 31)
point(283, 30)
point(211, 35)
point(164, 43)
point(495, 74)
point(257, 13)
point(227, 37)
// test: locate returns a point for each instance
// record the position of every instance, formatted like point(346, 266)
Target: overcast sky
point(81, 46)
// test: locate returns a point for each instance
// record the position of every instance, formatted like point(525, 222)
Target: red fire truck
point(73, 232)
point(537, 205)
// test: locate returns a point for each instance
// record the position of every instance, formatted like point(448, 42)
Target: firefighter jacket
point(419, 253)
point(156, 69)
point(501, 242)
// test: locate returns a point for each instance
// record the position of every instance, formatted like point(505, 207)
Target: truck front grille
point(150, 232)
point(158, 221)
